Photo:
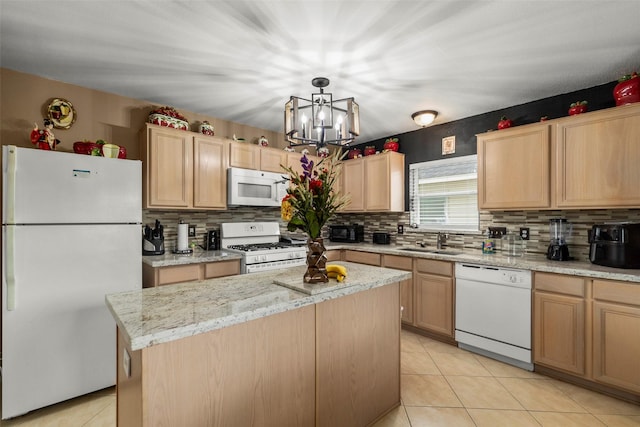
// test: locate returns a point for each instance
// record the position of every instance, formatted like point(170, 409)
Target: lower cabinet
point(406, 286)
point(368, 258)
point(158, 276)
point(433, 282)
point(589, 328)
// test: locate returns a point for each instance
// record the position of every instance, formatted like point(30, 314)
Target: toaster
point(615, 245)
point(381, 238)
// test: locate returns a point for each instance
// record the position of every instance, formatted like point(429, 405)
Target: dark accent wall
point(426, 143)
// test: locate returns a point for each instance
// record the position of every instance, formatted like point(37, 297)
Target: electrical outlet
point(524, 233)
point(400, 229)
point(192, 230)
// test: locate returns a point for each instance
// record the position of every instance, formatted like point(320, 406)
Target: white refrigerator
point(71, 233)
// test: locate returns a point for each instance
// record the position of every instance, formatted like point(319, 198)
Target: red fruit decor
point(391, 144)
point(369, 150)
point(627, 90)
point(354, 153)
point(169, 117)
point(504, 123)
point(578, 108)
point(85, 147)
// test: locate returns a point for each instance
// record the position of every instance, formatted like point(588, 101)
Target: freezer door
point(51, 187)
point(59, 341)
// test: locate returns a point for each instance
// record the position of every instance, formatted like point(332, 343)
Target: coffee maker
point(559, 231)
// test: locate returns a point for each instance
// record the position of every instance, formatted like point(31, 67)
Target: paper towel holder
point(183, 229)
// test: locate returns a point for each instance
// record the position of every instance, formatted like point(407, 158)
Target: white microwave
point(249, 187)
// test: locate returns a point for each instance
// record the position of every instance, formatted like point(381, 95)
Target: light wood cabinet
point(514, 168)
point(244, 155)
point(182, 169)
point(434, 290)
point(559, 334)
point(597, 159)
point(616, 334)
point(272, 160)
point(587, 328)
point(374, 183)
point(334, 255)
point(406, 286)
point(159, 276)
point(368, 258)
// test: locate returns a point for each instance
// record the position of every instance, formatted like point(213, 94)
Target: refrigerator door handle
point(10, 189)
point(10, 274)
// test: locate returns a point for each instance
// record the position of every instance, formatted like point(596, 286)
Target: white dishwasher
point(493, 312)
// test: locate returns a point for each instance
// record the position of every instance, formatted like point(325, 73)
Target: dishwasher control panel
point(491, 274)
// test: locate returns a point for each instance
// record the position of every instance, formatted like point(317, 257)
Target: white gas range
point(259, 243)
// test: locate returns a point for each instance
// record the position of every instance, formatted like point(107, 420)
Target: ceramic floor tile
point(411, 342)
point(104, 418)
point(502, 418)
point(421, 416)
point(395, 418)
point(417, 363)
point(597, 403)
point(433, 346)
point(620, 420)
point(427, 390)
point(499, 369)
point(482, 392)
point(459, 364)
point(557, 419)
point(540, 395)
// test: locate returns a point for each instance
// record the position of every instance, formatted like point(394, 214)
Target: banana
point(335, 268)
point(335, 275)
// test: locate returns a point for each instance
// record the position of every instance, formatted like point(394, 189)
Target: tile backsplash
point(536, 221)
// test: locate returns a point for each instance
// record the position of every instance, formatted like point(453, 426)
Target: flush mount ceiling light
point(321, 120)
point(424, 117)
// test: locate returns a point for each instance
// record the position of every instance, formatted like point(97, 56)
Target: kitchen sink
point(432, 251)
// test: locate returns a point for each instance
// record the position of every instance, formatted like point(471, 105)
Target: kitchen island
point(245, 351)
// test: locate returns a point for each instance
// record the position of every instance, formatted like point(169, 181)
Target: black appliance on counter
point(381, 238)
point(346, 233)
point(615, 245)
point(153, 240)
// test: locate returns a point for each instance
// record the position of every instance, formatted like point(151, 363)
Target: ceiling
point(241, 60)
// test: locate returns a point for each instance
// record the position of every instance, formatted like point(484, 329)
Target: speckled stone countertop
point(156, 315)
point(198, 256)
point(527, 262)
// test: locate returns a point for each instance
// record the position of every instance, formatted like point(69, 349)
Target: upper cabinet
point(585, 161)
point(597, 159)
point(374, 183)
point(514, 168)
point(250, 156)
point(182, 169)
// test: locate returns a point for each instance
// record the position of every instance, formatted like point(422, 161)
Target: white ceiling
point(241, 60)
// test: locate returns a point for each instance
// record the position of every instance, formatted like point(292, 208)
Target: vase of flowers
point(310, 202)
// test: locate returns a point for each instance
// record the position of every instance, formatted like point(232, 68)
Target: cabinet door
point(221, 268)
point(353, 184)
point(559, 332)
point(244, 155)
point(362, 257)
point(169, 171)
point(434, 303)
point(210, 173)
point(406, 286)
point(597, 159)
point(293, 160)
point(384, 182)
point(514, 168)
point(272, 159)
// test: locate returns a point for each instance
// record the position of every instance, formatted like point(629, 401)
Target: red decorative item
point(354, 153)
point(504, 123)
point(627, 90)
point(391, 144)
point(578, 108)
point(369, 150)
point(85, 147)
point(122, 152)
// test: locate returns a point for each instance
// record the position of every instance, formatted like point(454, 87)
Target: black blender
point(559, 230)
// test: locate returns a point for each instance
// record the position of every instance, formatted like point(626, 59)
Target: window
point(443, 194)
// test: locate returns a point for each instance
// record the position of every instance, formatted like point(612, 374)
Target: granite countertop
point(198, 256)
point(156, 315)
point(527, 262)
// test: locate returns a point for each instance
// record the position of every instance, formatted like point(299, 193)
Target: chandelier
point(321, 120)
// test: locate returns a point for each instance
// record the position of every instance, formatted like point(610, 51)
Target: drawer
point(362, 257)
point(442, 268)
point(559, 283)
point(182, 273)
point(621, 292)
point(221, 268)
point(397, 262)
point(334, 255)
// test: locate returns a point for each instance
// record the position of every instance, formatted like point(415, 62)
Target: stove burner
point(259, 246)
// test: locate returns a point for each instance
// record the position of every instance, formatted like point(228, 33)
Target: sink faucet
point(441, 239)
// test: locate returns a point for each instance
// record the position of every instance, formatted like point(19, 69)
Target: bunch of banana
point(335, 271)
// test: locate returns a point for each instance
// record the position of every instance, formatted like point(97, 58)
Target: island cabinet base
point(335, 363)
